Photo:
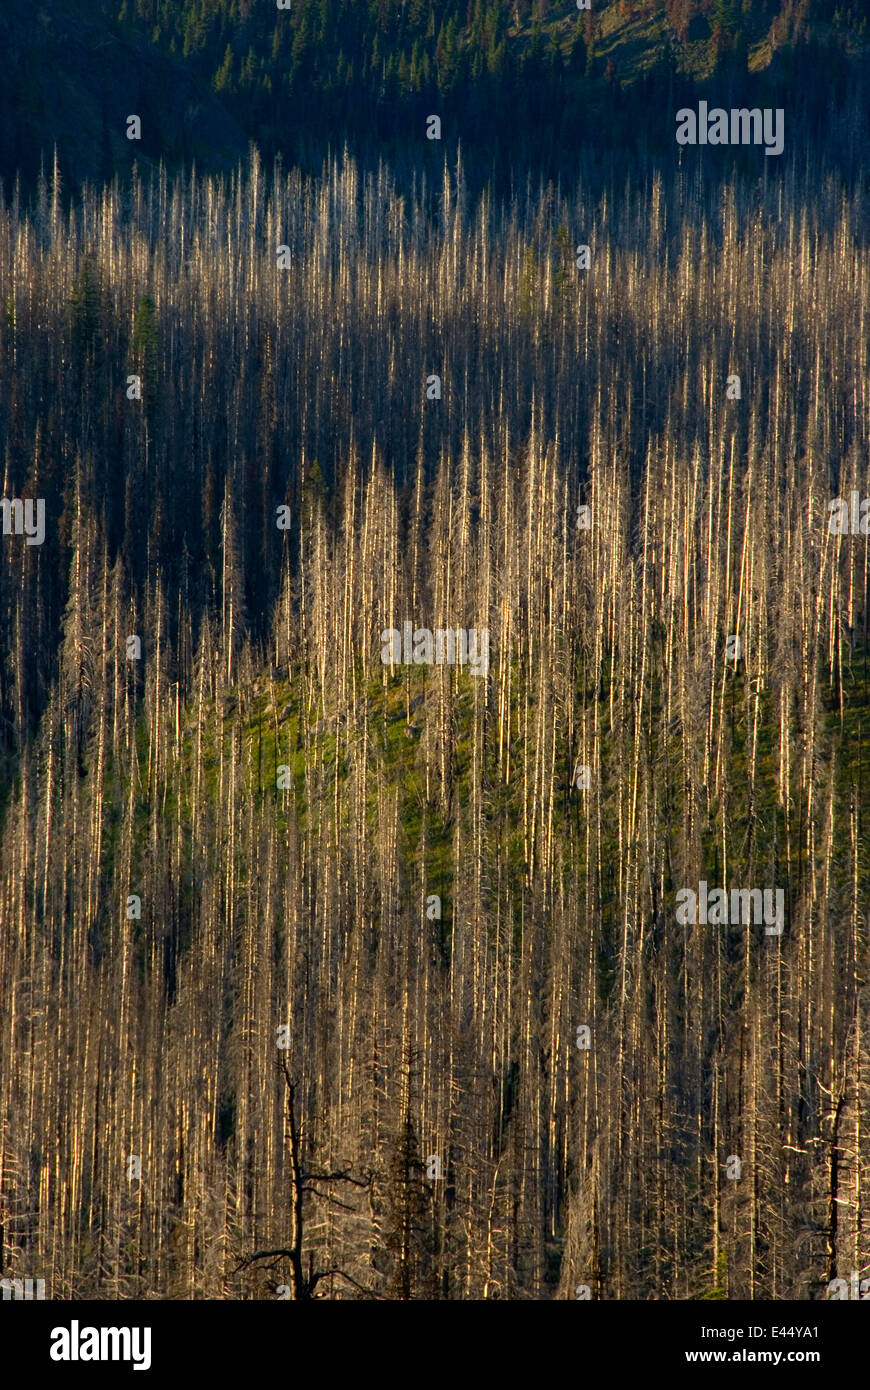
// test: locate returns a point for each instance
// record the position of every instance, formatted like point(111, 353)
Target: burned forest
point(435, 730)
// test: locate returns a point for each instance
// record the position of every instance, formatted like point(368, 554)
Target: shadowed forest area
point(519, 84)
point(330, 970)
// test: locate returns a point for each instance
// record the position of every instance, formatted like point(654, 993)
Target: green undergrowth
point(275, 722)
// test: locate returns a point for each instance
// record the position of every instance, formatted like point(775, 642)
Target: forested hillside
point(274, 906)
point(516, 83)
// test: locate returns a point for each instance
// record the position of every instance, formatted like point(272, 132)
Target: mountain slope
point(71, 80)
point(516, 82)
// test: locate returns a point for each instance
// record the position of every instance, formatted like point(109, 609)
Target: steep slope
point(71, 79)
point(515, 81)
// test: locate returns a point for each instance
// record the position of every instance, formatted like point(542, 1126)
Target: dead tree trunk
point(302, 1288)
